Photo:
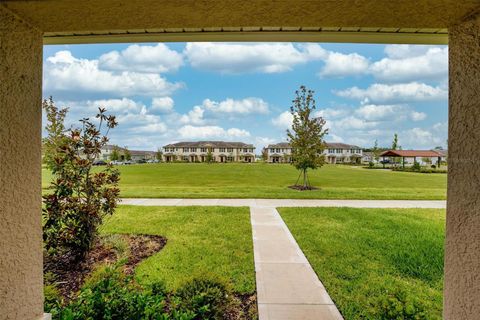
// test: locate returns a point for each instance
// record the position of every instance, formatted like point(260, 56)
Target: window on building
point(203, 149)
point(230, 159)
point(185, 149)
point(212, 149)
point(230, 150)
point(272, 150)
point(245, 150)
point(185, 158)
point(222, 149)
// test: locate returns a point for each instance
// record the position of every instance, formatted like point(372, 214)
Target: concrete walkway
point(287, 286)
point(275, 203)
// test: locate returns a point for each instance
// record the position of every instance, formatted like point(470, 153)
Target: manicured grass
point(365, 255)
point(200, 240)
point(260, 180)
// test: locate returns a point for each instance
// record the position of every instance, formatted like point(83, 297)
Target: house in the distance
point(198, 151)
point(334, 153)
point(136, 155)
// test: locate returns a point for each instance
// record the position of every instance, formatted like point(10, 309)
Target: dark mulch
point(302, 188)
point(69, 277)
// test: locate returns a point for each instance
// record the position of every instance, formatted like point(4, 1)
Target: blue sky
point(163, 93)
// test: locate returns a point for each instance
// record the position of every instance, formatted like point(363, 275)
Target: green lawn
point(200, 240)
point(365, 257)
point(260, 180)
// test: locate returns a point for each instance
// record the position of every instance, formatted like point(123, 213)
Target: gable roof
point(332, 145)
point(410, 153)
point(206, 144)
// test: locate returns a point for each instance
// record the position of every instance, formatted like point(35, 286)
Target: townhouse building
point(136, 155)
point(333, 152)
point(198, 151)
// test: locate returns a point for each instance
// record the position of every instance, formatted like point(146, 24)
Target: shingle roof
point(206, 144)
point(410, 153)
point(333, 145)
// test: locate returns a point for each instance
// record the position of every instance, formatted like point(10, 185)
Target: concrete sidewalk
point(275, 203)
point(287, 286)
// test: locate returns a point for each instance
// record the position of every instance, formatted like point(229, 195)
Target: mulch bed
point(302, 188)
point(69, 277)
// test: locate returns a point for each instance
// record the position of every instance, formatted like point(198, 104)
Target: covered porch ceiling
point(368, 21)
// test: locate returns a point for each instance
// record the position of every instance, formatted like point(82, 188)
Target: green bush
point(416, 166)
point(207, 297)
point(401, 306)
point(110, 295)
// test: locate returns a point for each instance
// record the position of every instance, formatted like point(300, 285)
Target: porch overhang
point(366, 21)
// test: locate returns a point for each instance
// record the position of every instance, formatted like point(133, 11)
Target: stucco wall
point(20, 178)
point(462, 259)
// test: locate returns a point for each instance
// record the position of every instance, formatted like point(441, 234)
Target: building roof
point(206, 144)
point(410, 153)
point(279, 145)
point(132, 152)
point(442, 152)
point(332, 145)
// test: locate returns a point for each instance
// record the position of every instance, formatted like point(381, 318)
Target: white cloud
point(404, 92)
point(399, 112)
point(145, 59)
point(235, 58)
point(341, 65)
point(113, 106)
point(243, 106)
point(352, 123)
point(284, 120)
point(206, 132)
point(194, 116)
point(162, 104)
point(410, 63)
point(330, 113)
point(372, 112)
point(263, 141)
point(334, 138)
point(402, 51)
point(418, 116)
point(420, 138)
point(65, 73)
point(235, 132)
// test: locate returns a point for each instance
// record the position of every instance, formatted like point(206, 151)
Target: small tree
point(80, 198)
point(115, 155)
point(395, 146)
point(265, 154)
point(56, 131)
point(376, 151)
point(306, 135)
point(159, 155)
point(209, 156)
point(127, 154)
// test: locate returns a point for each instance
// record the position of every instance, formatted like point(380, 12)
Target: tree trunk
point(305, 178)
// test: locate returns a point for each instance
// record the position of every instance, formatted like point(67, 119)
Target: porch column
point(21, 280)
point(462, 251)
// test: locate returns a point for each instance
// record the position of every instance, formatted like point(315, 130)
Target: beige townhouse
point(198, 151)
point(334, 153)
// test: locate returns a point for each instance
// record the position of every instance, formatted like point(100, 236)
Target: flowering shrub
point(80, 197)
